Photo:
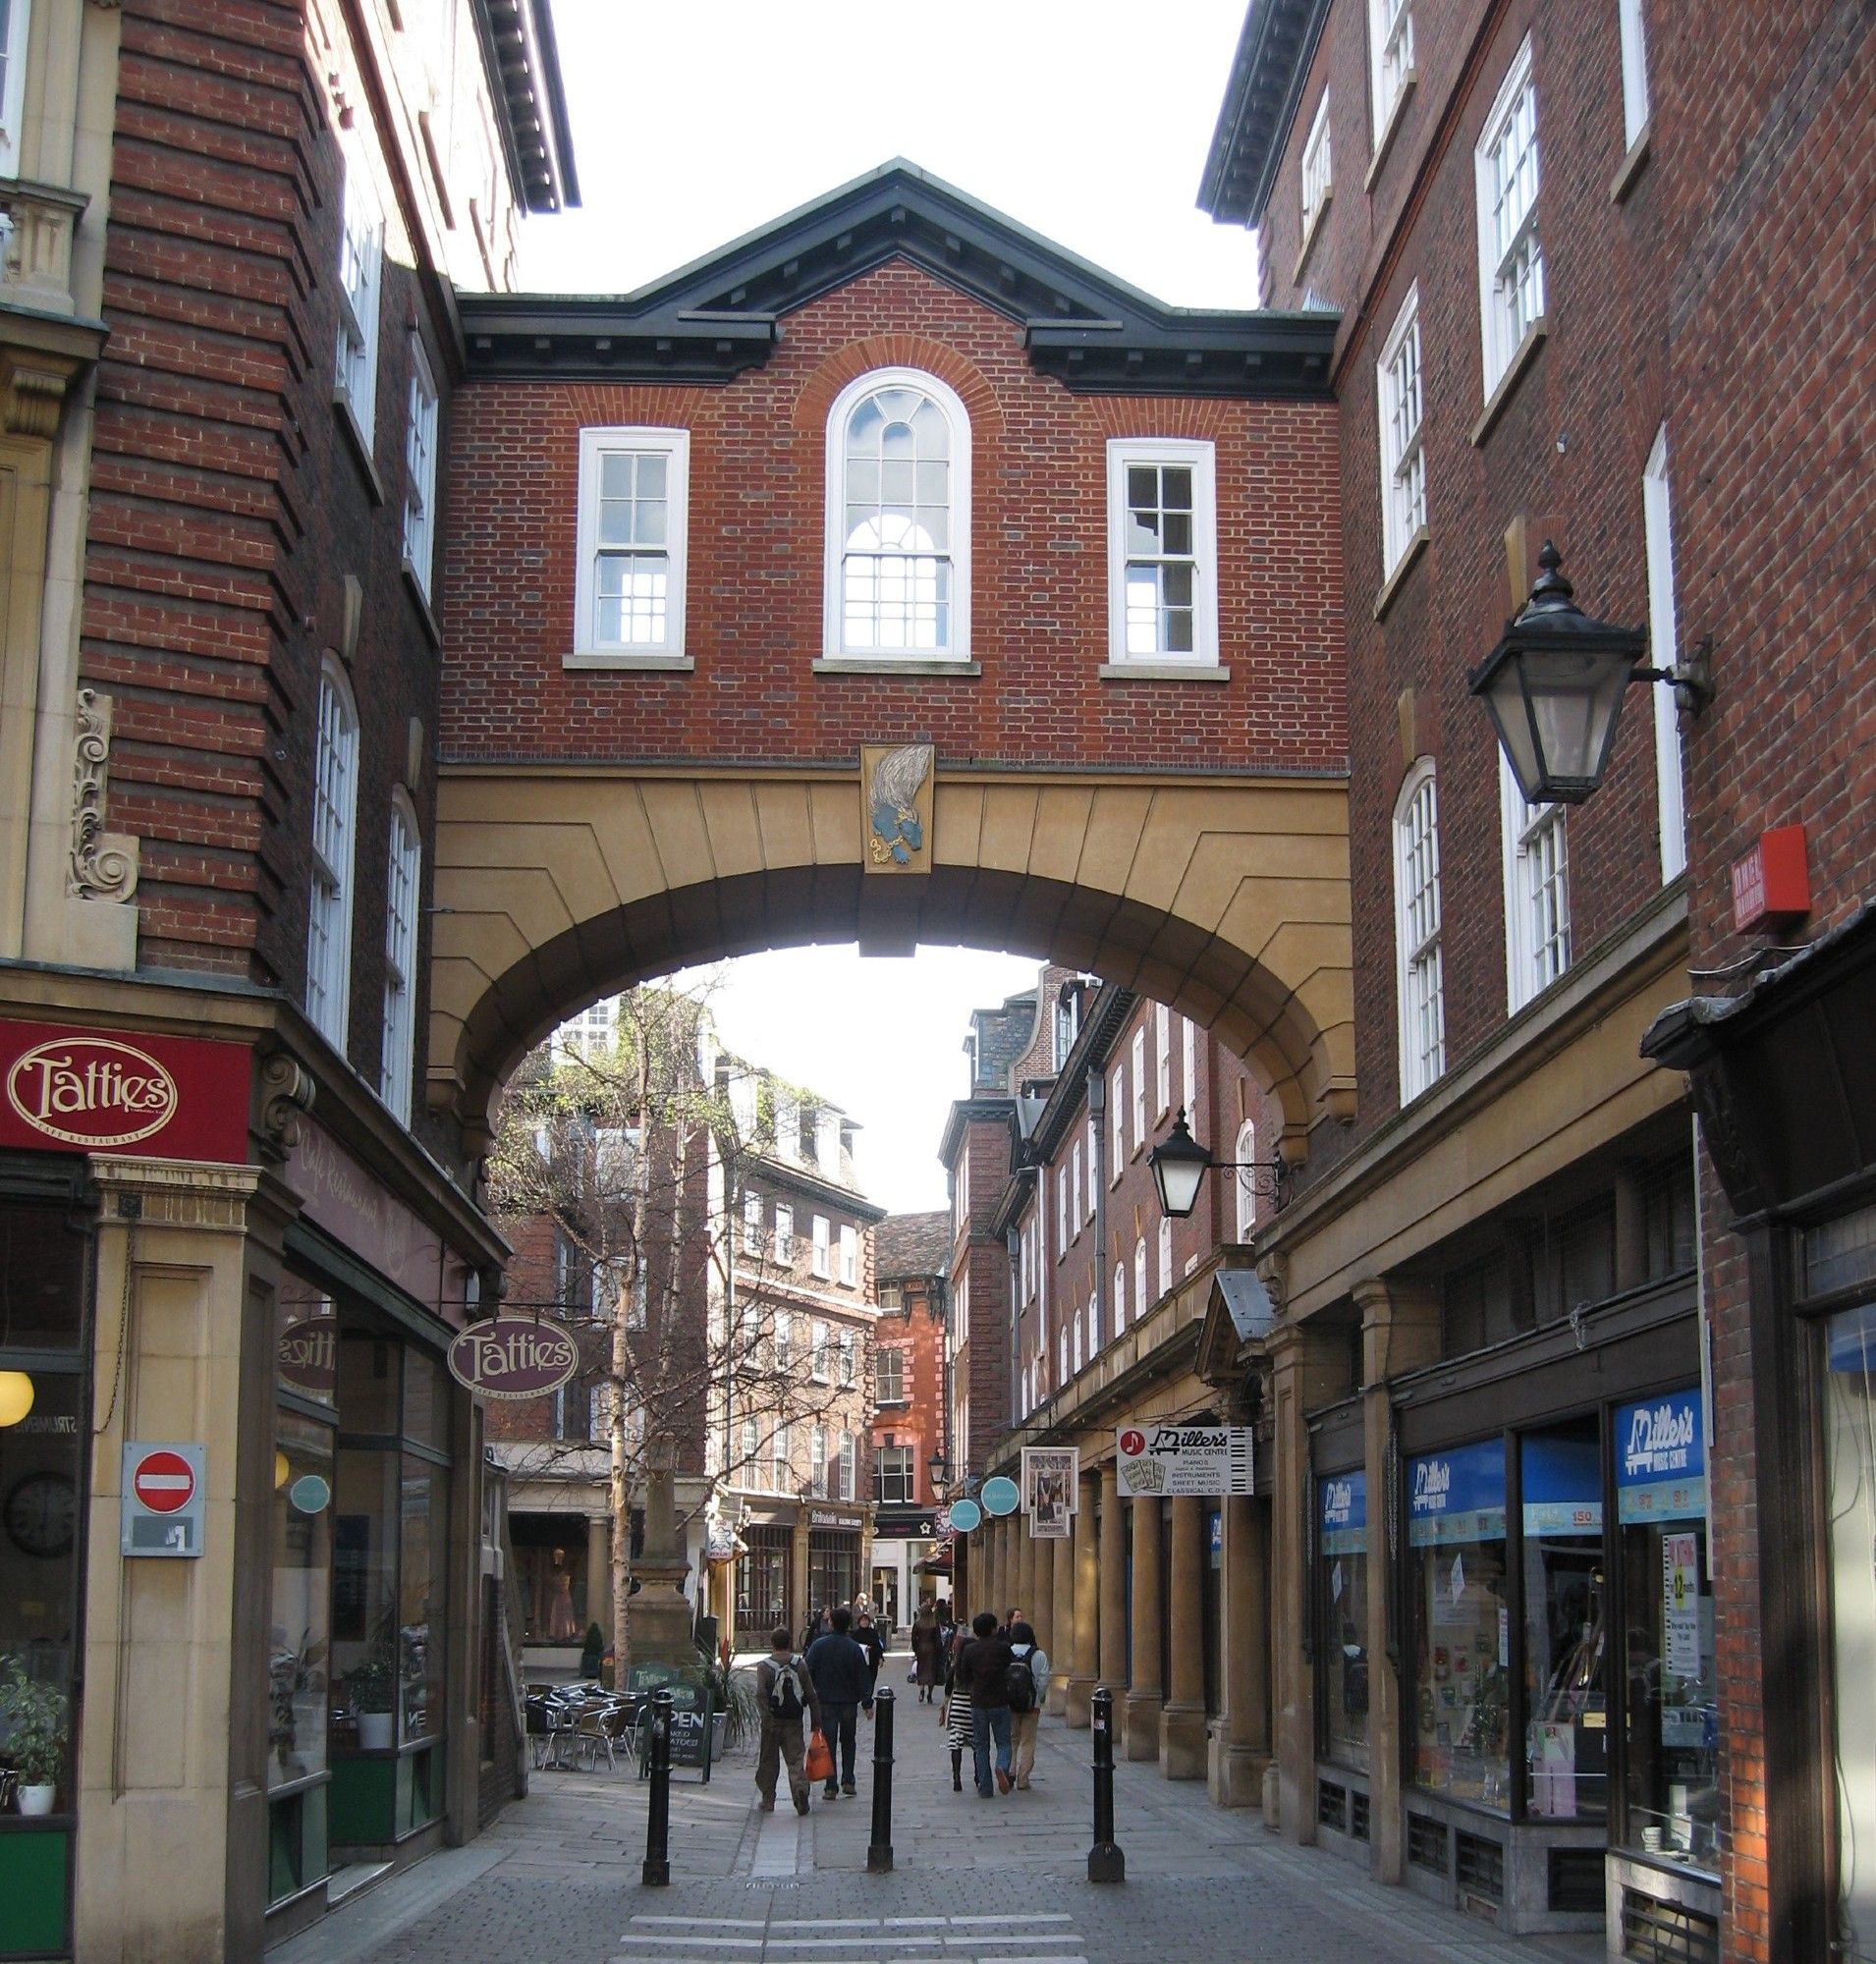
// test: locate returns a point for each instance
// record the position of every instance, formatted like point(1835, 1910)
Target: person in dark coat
point(984, 1672)
point(843, 1676)
point(866, 1635)
point(928, 1652)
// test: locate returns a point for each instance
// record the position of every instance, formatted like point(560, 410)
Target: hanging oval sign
point(309, 1493)
point(1000, 1497)
point(965, 1515)
point(514, 1357)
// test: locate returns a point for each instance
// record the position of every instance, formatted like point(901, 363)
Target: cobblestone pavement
point(999, 1880)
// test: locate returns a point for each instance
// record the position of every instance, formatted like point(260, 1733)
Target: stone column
point(1084, 1651)
point(599, 1573)
point(1309, 1369)
point(1060, 1622)
point(1023, 1594)
point(1113, 1612)
point(800, 1609)
point(991, 1593)
point(1241, 1740)
point(1145, 1683)
point(1399, 1333)
point(1041, 1604)
point(1182, 1723)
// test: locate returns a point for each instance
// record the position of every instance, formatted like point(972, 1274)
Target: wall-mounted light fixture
point(1180, 1163)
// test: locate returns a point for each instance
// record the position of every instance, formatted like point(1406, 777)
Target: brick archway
point(1225, 898)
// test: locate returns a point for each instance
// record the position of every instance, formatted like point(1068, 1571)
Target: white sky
point(695, 122)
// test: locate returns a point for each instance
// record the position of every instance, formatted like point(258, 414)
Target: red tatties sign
point(514, 1357)
point(87, 1091)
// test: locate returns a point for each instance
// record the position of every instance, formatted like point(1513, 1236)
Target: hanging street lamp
point(1180, 1163)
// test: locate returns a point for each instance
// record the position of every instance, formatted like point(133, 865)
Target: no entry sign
point(163, 1499)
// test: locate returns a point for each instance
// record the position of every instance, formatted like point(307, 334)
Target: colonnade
point(1096, 1601)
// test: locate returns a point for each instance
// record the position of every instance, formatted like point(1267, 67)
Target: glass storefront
point(1342, 1598)
point(44, 1268)
point(833, 1567)
point(1849, 1470)
point(1460, 1726)
point(1566, 1623)
point(550, 1577)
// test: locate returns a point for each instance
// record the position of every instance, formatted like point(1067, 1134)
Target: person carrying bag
point(788, 1695)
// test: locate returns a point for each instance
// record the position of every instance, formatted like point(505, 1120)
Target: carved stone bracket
point(103, 863)
point(286, 1097)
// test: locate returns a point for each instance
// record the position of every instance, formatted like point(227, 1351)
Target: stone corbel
point(104, 865)
point(33, 388)
point(286, 1097)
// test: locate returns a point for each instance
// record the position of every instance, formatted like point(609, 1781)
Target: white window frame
point(1201, 459)
point(1139, 1087)
point(849, 1255)
point(1119, 1297)
point(817, 1352)
point(781, 1459)
point(335, 825)
point(1139, 1278)
point(1188, 1065)
point(1165, 1253)
point(419, 468)
point(751, 1447)
point(1389, 59)
point(784, 1343)
point(784, 1233)
point(1314, 179)
point(893, 1465)
point(1062, 1361)
point(12, 86)
point(597, 444)
point(1634, 71)
point(817, 1461)
point(1244, 1151)
point(401, 897)
point(820, 1262)
point(960, 1314)
point(889, 1374)
point(1419, 929)
point(1499, 331)
point(1075, 1215)
point(1061, 1212)
point(1094, 1324)
point(1537, 855)
point(1116, 1106)
point(1163, 1058)
point(1076, 1353)
point(850, 1352)
point(751, 1223)
point(1094, 1162)
point(834, 546)
point(1664, 637)
point(355, 381)
point(1400, 396)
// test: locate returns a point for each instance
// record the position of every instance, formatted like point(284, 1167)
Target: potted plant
point(37, 1721)
point(372, 1684)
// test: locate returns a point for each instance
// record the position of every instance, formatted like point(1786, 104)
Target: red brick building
point(912, 1260)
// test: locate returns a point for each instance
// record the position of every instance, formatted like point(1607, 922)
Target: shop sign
point(823, 1517)
point(1207, 1460)
point(512, 1357)
point(308, 1361)
point(1457, 1495)
point(87, 1091)
point(962, 1517)
point(1050, 1475)
point(1661, 1459)
point(1562, 1485)
point(1344, 1500)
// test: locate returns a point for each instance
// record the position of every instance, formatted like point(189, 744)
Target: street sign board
point(164, 1501)
point(1201, 1460)
point(965, 1515)
point(1000, 1497)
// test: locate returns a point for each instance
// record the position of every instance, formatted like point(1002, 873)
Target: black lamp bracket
point(1690, 677)
point(1269, 1178)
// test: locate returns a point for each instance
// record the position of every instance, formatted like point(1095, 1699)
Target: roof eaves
point(1261, 98)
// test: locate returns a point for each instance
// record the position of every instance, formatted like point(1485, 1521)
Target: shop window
point(833, 1567)
point(1668, 1223)
point(1342, 1554)
point(300, 1629)
point(1576, 1259)
point(1566, 1623)
point(1461, 1624)
point(550, 1576)
point(1672, 1689)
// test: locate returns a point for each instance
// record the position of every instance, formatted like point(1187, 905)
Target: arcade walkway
point(1002, 1882)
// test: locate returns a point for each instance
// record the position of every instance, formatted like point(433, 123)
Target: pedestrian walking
point(954, 1715)
point(867, 1636)
point(928, 1652)
point(843, 1678)
point(786, 1692)
point(1029, 1686)
point(983, 1669)
point(820, 1622)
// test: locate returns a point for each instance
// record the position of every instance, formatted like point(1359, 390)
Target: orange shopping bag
point(820, 1756)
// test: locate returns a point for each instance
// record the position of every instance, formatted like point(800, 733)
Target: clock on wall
point(41, 1513)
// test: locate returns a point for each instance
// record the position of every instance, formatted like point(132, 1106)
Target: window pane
point(301, 1604)
point(425, 1523)
point(931, 430)
point(1176, 584)
point(1179, 631)
point(369, 1384)
point(41, 1279)
point(1176, 487)
point(365, 1632)
point(652, 466)
point(1142, 485)
point(1566, 1632)
point(1850, 1449)
point(1179, 531)
point(1343, 1557)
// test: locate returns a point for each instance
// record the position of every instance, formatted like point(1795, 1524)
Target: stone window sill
point(1405, 565)
point(1514, 369)
point(627, 663)
point(360, 443)
point(849, 665)
point(1631, 166)
point(1164, 671)
point(1390, 128)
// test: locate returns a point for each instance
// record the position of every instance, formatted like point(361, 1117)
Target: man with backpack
point(1028, 1685)
point(786, 1692)
point(843, 1676)
point(984, 1672)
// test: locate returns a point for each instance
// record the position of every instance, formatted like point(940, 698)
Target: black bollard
point(879, 1851)
point(1106, 1862)
point(657, 1868)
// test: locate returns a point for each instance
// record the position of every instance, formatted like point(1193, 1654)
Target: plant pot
point(374, 1730)
point(37, 1800)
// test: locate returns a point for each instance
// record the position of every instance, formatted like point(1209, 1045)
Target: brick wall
point(1039, 606)
point(920, 1333)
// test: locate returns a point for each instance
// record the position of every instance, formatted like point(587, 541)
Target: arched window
point(1245, 1154)
point(1419, 969)
point(897, 519)
point(1119, 1297)
point(335, 803)
point(1139, 1278)
point(402, 880)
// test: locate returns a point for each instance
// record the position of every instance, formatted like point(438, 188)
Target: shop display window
point(299, 1654)
point(1461, 1725)
point(1342, 1646)
point(1566, 1623)
point(550, 1576)
point(1850, 1468)
point(833, 1567)
point(1671, 1693)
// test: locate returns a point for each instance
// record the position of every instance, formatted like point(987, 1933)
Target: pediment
point(725, 313)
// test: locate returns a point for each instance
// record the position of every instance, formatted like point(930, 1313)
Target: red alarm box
point(1772, 883)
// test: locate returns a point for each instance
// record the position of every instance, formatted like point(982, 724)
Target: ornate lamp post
point(1180, 1163)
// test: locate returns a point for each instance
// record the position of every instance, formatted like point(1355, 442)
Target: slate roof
point(912, 1245)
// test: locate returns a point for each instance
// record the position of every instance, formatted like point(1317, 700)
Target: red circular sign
point(163, 1481)
point(1132, 1444)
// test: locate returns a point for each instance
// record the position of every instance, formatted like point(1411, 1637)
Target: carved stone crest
point(896, 793)
point(286, 1097)
point(104, 865)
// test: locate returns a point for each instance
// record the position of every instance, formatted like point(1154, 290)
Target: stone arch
point(1225, 898)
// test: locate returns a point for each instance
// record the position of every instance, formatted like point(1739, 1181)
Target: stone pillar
point(1240, 1742)
point(1309, 1369)
point(1084, 1650)
point(599, 1573)
point(1182, 1723)
point(1113, 1612)
point(1145, 1683)
point(1399, 1333)
point(991, 1593)
point(1023, 1594)
point(800, 1609)
point(1060, 1622)
point(1041, 1604)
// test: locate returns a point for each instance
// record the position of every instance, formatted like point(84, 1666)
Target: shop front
point(903, 1538)
point(836, 1558)
point(1559, 1708)
point(1339, 1609)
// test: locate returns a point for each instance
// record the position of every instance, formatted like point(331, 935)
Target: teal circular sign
point(309, 1493)
point(965, 1515)
point(1001, 1495)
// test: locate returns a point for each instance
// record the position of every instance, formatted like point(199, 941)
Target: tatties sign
point(514, 1357)
point(87, 1091)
